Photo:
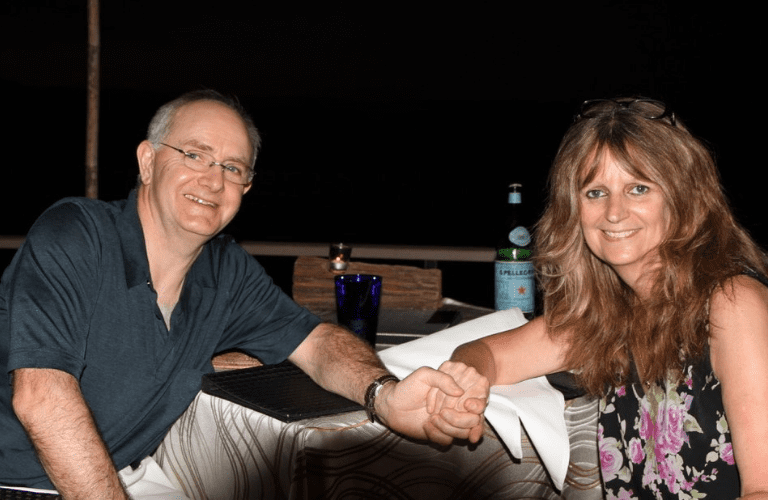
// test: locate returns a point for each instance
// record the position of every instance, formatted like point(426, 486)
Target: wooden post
point(92, 127)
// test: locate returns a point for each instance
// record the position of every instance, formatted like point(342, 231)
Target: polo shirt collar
point(132, 242)
point(134, 248)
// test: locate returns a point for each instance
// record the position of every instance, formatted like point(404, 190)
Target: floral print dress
point(669, 442)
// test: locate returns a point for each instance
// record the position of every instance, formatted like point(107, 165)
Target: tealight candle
point(339, 256)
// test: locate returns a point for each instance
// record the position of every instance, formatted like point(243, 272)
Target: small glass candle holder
point(339, 255)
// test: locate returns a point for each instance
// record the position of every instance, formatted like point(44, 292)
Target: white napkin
point(534, 402)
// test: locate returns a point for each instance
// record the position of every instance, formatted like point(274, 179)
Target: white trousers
point(147, 482)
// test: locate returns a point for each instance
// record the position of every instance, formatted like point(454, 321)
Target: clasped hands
point(438, 405)
point(460, 416)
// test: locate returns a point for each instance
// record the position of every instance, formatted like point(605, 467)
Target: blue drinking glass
point(357, 304)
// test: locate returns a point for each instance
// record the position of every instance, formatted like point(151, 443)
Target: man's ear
point(145, 153)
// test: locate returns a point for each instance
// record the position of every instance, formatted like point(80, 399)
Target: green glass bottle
point(515, 283)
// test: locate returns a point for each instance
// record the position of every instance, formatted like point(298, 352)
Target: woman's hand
point(447, 410)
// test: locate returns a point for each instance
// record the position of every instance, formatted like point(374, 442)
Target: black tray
point(25, 495)
point(281, 391)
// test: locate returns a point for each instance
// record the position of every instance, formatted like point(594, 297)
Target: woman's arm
point(739, 354)
point(515, 355)
point(501, 359)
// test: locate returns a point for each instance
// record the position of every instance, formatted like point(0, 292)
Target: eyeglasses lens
point(594, 107)
point(235, 173)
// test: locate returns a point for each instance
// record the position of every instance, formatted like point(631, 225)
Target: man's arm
point(50, 406)
point(340, 362)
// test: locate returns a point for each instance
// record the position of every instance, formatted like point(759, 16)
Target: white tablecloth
point(219, 450)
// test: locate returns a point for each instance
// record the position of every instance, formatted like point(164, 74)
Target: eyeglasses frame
point(627, 105)
point(187, 154)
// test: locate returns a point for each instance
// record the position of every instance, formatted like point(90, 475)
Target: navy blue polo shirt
point(77, 297)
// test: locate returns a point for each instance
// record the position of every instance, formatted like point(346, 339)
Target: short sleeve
point(51, 285)
point(265, 322)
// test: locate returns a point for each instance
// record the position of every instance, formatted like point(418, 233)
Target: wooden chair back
point(402, 287)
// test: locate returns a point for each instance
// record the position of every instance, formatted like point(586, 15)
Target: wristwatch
point(373, 391)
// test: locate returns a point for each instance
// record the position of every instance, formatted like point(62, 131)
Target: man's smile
point(198, 200)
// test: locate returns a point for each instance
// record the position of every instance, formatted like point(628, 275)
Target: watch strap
point(372, 391)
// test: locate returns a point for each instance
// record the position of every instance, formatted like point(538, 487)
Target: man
point(110, 313)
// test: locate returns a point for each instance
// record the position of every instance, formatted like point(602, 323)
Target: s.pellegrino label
point(515, 285)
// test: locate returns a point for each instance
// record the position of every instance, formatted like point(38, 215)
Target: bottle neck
point(514, 198)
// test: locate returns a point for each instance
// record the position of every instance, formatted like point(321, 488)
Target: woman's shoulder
point(740, 293)
point(738, 321)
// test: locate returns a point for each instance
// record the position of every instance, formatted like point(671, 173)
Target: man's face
point(187, 202)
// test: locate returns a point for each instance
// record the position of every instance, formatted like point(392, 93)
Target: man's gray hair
point(161, 122)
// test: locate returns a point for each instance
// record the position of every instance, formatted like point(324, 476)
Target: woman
point(652, 297)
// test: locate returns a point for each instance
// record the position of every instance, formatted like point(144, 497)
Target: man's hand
point(342, 363)
point(447, 408)
point(403, 408)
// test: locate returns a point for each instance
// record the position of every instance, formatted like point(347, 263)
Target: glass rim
point(358, 277)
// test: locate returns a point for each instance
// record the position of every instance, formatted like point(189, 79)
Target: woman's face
point(624, 220)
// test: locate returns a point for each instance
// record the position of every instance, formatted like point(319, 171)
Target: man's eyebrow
point(198, 145)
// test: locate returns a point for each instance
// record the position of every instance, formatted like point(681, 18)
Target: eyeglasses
point(594, 107)
point(234, 171)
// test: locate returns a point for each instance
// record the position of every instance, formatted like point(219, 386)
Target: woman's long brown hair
point(607, 325)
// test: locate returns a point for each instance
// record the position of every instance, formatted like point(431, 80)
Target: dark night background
point(382, 123)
